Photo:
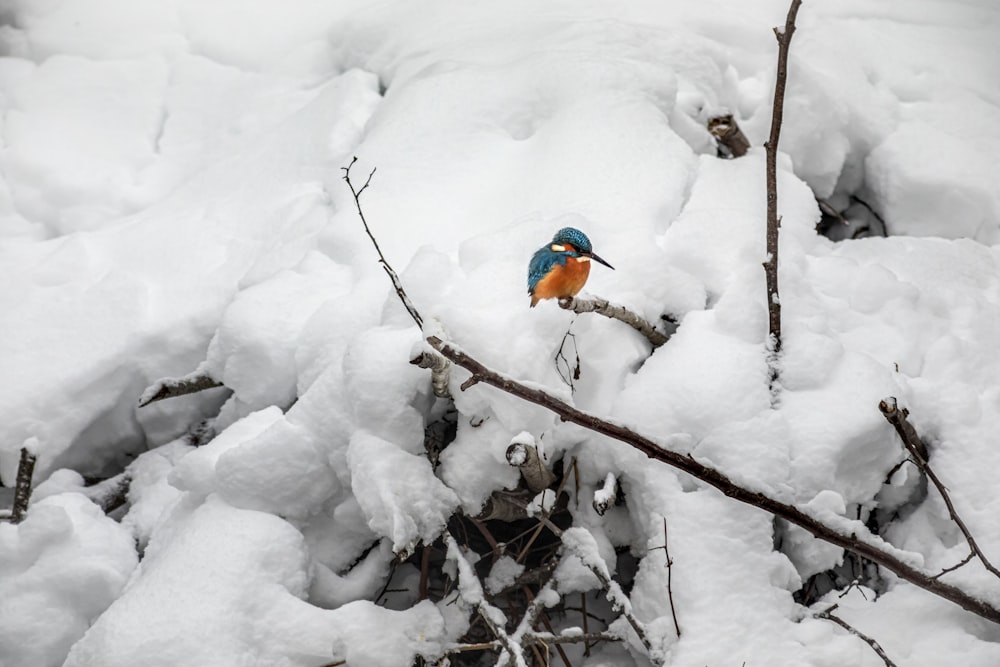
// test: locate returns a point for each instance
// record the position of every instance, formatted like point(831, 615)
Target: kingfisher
point(560, 268)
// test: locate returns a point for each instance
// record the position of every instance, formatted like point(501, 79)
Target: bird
point(560, 268)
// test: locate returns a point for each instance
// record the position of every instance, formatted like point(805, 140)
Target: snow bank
point(59, 570)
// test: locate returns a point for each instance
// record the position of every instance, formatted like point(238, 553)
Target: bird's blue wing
point(541, 263)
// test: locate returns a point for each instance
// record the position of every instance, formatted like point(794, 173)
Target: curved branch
point(620, 313)
point(865, 546)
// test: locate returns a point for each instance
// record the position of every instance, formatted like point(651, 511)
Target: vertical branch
point(22, 488)
point(670, 576)
point(918, 452)
point(784, 38)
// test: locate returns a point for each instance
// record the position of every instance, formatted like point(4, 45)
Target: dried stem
point(773, 221)
point(22, 485)
point(620, 313)
point(828, 615)
point(867, 546)
point(918, 451)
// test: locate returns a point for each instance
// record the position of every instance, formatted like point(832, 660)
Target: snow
point(60, 569)
point(172, 204)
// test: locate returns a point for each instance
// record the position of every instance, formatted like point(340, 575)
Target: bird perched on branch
point(560, 268)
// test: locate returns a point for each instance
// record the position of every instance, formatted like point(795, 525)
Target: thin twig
point(828, 615)
point(670, 576)
point(841, 537)
point(620, 313)
point(400, 292)
point(773, 221)
point(918, 451)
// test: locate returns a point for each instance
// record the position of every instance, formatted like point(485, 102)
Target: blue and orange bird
point(560, 268)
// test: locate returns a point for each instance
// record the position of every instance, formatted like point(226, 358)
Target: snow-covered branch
point(173, 387)
point(620, 313)
point(846, 536)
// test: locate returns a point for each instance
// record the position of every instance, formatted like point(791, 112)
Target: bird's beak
point(598, 259)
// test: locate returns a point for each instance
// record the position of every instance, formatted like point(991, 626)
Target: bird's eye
point(558, 248)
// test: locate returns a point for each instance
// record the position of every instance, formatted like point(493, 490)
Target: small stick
point(22, 485)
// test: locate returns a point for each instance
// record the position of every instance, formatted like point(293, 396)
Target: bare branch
point(866, 546)
point(828, 615)
point(173, 387)
point(918, 450)
point(393, 276)
point(773, 221)
point(620, 313)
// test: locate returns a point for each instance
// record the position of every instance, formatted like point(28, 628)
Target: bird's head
point(572, 240)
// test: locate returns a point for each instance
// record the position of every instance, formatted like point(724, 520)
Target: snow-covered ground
point(171, 200)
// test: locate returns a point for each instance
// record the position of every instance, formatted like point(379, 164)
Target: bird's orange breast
point(563, 280)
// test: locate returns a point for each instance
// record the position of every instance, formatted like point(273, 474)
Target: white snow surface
point(171, 201)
